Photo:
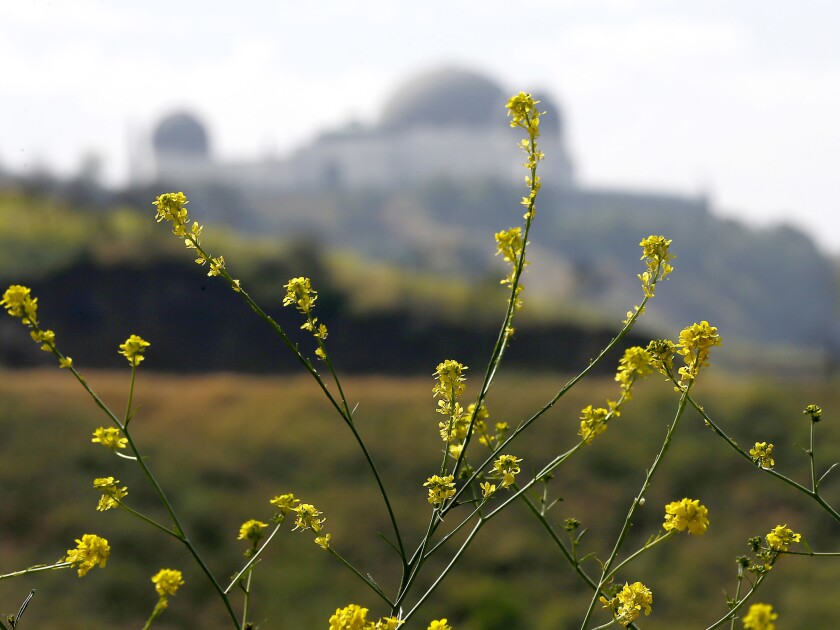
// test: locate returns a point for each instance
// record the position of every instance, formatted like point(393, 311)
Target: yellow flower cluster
point(111, 493)
point(134, 349)
point(300, 294)
point(593, 422)
point(110, 437)
point(686, 514)
point(172, 208)
point(814, 411)
point(308, 517)
point(285, 504)
point(90, 550)
point(635, 362)
point(19, 303)
point(354, 617)
point(629, 603)
point(440, 488)
point(662, 355)
point(450, 376)
point(167, 582)
point(252, 530)
point(523, 113)
point(507, 467)
point(781, 536)
point(450, 386)
point(762, 454)
point(509, 244)
point(440, 624)
point(760, 617)
point(657, 258)
point(696, 341)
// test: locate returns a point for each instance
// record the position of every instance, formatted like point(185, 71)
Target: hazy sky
point(737, 99)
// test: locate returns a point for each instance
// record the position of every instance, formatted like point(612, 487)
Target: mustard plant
point(480, 473)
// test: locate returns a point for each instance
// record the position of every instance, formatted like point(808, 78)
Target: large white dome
point(445, 98)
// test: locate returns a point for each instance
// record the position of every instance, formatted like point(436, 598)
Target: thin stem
point(628, 521)
point(740, 603)
point(814, 494)
point(648, 545)
point(148, 520)
point(247, 596)
point(342, 407)
point(568, 386)
point(814, 482)
point(179, 530)
point(366, 579)
point(446, 570)
point(252, 559)
point(130, 395)
point(36, 569)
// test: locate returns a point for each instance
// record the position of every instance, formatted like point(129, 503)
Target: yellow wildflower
point(133, 349)
point(629, 603)
point(308, 517)
point(111, 493)
point(762, 454)
point(90, 550)
point(323, 541)
point(171, 206)
point(299, 293)
point(352, 617)
point(781, 536)
point(507, 467)
point(167, 581)
point(45, 337)
point(440, 624)
point(285, 503)
point(110, 437)
point(686, 514)
point(19, 303)
point(440, 488)
point(760, 617)
point(593, 422)
point(696, 341)
point(635, 362)
point(252, 530)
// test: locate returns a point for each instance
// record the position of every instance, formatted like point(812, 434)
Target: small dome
point(446, 98)
point(181, 134)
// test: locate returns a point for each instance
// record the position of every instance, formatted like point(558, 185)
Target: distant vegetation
point(100, 273)
point(222, 444)
point(415, 255)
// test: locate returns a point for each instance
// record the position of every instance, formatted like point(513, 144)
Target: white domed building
point(449, 124)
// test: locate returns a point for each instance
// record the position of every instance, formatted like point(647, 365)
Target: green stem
point(342, 407)
point(636, 554)
point(37, 568)
point(130, 395)
point(148, 520)
point(740, 603)
point(373, 585)
point(252, 559)
point(446, 570)
point(814, 482)
point(179, 530)
point(814, 494)
point(247, 596)
point(628, 521)
point(568, 386)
